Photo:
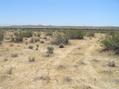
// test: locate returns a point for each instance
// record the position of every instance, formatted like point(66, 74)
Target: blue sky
point(60, 12)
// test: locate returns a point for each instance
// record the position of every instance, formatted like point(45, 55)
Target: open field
point(81, 64)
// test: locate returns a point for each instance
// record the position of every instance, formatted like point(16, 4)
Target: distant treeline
point(6, 28)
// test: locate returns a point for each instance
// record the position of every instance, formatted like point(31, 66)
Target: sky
point(60, 12)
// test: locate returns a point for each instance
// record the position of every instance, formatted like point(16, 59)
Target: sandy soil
point(80, 65)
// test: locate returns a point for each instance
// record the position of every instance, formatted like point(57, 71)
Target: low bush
point(90, 34)
point(26, 43)
point(60, 38)
point(0, 42)
point(28, 34)
point(49, 33)
point(38, 35)
point(36, 39)
point(41, 41)
point(111, 42)
point(31, 59)
point(18, 36)
point(61, 45)
point(111, 64)
point(32, 40)
point(50, 49)
point(67, 79)
point(44, 37)
point(30, 47)
point(1, 35)
point(14, 55)
point(37, 48)
point(12, 37)
point(77, 34)
point(10, 70)
point(37, 45)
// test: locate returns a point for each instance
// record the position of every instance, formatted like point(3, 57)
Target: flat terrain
point(80, 65)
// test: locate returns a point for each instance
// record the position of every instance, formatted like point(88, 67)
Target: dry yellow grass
point(80, 65)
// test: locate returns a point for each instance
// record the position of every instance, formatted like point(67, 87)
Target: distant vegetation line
point(106, 29)
point(42, 27)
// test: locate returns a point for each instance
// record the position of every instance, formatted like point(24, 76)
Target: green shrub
point(60, 38)
point(38, 35)
point(44, 37)
point(36, 39)
point(32, 40)
point(12, 37)
point(28, 34)
point(14, 55)
point(61, 45)
point(0, 42)
point(1, 35)
point(18, 36)
point(30, 47)
point(111, 42)
point(41, 41)
point(37, 45)
point(77, 34)
point(50, 49)
point(91, 34)
point(49, 33)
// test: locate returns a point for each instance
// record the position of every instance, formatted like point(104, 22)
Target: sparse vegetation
point(31, 59)
point(14, 55)
point(60, 38)
point(18, 36)
point(49, 33)
point(111, 42)
point(32, 40)
point(26, 43)
point(37, 48)
point(37, 45)
point(90, 34)
point(41, 41)
point(1, 35)
point(61, 45)
point(12, 38)
point(11, 45)
point(81, 61)
point(28, 34)
point(45, 38)
point(111, 64)
point(61, 67)
point(43, 78)
point(36, 39)
point(67, 79)
point(78, 34)
point(10, 70)
point(30, 47)
point(38, 35)
point(5, 59)
point(50, 49)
